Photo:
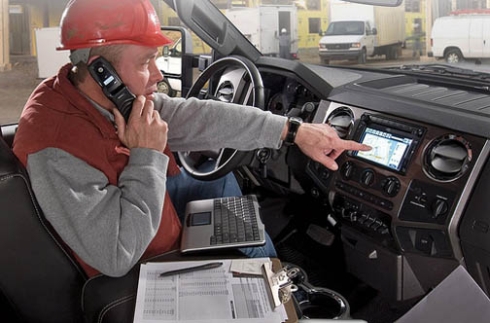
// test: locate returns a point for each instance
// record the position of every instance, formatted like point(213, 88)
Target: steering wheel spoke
point(225, 154)
point(248, 90)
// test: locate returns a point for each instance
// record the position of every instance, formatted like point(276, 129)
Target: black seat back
point(38, 276)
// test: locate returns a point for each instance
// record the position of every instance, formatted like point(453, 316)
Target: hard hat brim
point(155, 40)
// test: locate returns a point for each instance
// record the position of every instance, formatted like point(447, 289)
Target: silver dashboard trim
point(463, 200)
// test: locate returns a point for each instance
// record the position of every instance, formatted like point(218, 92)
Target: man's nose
point(156, 74)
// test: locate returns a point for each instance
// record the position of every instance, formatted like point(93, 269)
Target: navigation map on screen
point(388, 149)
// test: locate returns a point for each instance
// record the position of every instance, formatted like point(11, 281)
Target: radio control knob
point(439, 207)
point(324, 174)
point(347, 170)
point(367, 177)
point(391, 186)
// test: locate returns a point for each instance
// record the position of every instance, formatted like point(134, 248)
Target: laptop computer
point(220, 223)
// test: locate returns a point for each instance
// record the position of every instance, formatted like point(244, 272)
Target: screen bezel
point(407, 156)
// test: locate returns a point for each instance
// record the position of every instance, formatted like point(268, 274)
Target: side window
point(313, 4)
point(368, 29)
point(176, 50)
point(314, 25)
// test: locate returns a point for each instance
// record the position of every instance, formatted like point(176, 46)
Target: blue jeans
point(183, 188)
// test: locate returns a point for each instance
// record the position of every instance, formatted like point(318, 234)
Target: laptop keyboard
point(235, 220)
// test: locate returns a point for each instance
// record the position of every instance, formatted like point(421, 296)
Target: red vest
point(57, 115)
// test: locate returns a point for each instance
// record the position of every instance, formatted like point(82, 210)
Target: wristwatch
point(294, 123)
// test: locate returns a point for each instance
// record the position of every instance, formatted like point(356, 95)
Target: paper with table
point(212, 295)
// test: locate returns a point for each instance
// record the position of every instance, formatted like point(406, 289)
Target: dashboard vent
point(342, 120)
point(225, 92)
point(447, 158)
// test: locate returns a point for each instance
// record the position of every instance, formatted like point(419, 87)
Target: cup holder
point(316, 302)
point(319, 302)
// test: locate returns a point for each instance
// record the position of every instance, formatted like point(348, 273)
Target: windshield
point(342, 28)
point(320, 32)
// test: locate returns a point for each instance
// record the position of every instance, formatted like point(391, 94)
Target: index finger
point(353, 145)
point(137, 108)
point(148, 107)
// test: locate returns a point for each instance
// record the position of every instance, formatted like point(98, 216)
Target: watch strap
point(293, 126)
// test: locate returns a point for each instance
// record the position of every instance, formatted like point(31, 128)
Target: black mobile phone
point(106, 76)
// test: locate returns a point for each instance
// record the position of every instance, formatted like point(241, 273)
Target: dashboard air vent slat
point(225, 92)
point(447, 158)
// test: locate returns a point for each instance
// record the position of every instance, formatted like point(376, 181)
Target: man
point(285, 44)
point(417, 37)
point(101, 182)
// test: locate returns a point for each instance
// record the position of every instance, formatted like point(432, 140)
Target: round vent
point(342, 120)
point(225, 92)
point(447, 158)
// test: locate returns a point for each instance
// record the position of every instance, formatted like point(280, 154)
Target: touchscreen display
point(388, 149)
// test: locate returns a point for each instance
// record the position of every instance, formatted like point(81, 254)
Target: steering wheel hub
point(224, 160)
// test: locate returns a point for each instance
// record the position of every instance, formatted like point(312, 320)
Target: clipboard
point(150, 278)
point(288, 305)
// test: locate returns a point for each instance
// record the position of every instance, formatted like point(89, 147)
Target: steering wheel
point(224, 160)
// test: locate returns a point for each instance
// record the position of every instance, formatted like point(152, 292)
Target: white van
point(170, 64)
point(458, 37)
point(357, 31)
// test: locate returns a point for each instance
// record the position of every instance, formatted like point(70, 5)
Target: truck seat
point(38, 275)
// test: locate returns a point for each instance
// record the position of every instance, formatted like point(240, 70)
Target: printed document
point(211, 295)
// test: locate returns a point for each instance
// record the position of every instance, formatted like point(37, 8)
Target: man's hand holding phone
point(144, 129)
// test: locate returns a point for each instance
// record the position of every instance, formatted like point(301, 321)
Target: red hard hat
point(91, 23)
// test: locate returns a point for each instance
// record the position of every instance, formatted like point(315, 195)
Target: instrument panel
point(407, 187)
point(406, 196)
point(289, 97)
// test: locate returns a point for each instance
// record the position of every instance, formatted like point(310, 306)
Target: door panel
point(19, 38)
point(475, 38)
point(486, 38)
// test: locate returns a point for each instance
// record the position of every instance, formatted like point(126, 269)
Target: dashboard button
point(376, 225)
point(369, 221)
point(424, 242)
point(363, 217)
point(384, 230)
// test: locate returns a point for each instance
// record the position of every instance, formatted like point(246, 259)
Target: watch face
point(295, 120)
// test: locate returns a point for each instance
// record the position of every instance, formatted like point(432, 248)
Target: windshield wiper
point(443, 70)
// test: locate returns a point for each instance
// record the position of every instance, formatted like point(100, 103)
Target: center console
point(399, 203)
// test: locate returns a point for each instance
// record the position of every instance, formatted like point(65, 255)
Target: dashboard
point(400, 203)
point(411, 209)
